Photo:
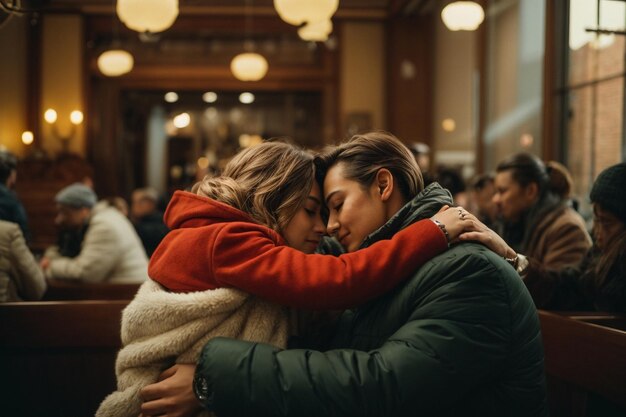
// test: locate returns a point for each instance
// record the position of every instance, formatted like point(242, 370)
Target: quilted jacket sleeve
point(456, 336)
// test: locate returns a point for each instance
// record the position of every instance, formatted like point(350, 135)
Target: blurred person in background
point(147, 218)
point(534, 217)
point(110, 250)
point(11, 209)
point(483, 190)
point(21, 279)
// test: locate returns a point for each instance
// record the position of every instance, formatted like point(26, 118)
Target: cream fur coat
point(160, 328)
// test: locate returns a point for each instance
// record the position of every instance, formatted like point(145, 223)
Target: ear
point(384, 183)
point(532, 191)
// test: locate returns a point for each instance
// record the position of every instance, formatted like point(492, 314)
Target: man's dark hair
point(8, 163)
point(525, 169)
point(482, 180)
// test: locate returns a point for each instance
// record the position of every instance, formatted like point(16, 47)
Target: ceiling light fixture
point(147, 15)
point(463, 15)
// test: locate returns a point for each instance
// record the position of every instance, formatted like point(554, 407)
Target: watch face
point(201, 388)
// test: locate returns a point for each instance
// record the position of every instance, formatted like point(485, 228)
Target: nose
point(333, 225)
point(319, 226)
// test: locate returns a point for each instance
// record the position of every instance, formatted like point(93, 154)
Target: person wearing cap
point(11, 209)
point(110, 251)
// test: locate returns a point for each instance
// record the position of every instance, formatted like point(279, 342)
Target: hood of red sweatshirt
point(191, 210)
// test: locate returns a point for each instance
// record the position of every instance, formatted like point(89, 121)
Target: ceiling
point(367, 9)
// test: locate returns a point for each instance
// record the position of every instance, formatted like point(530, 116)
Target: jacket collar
point(424, 205)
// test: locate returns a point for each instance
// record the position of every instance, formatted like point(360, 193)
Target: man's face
point(511, 199)
point(71, 217)
point(354, 211)
point(141, 206)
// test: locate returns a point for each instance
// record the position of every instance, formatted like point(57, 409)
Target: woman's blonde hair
point(270, 182)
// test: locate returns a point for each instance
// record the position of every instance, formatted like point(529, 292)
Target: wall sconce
point(76, 118)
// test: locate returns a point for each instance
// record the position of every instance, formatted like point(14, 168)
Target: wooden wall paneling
point(409, 89)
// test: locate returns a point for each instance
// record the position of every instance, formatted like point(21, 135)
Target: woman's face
point(354, 211)
point(606, 226)
point(306, 227)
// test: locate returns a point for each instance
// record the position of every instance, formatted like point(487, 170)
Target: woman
point(253, 234)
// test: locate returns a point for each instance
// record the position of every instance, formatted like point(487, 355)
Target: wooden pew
point(585, 357)
point(59, 290)
point(57, 358)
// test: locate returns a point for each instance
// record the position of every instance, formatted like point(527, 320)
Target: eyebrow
point(317, 200)
point(331, 195)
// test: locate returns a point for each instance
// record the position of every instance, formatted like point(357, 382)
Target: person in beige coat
point(111, 250)
point(536, 214)
point(21, 279)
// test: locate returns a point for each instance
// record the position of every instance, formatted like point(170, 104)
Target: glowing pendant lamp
point(249, 66)
point(147, 15)
point(296, 12)
point(115, 62)
point(462, 15)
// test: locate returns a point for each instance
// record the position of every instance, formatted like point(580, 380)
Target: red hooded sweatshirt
point(214, 245)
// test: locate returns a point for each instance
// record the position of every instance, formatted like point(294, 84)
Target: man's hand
point(172, 395)
point(44, 263)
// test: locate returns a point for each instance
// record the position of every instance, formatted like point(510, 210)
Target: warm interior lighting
point(182, 120)
point(203, 162)
point(209, 97)
point(448, 125)
point(115, 62)
point(316, 31)
point(50, 116)
point(171, 97)
point(147, 15)
point(27, 137)
point(462, 15)
point(297, 12)
point(76, 117)
point(246, 98)
point(249, 66)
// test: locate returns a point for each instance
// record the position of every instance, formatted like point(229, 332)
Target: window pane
point(592, 55)
point(514, 80)
point(595, 134)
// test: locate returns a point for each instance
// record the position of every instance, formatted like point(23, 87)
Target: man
point(11, 208)
point(147, 219)
point(110, 251)
point(460, 338)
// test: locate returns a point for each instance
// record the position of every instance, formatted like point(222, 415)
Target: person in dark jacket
point(147, 219)
point(461, 337)
point(11, 209)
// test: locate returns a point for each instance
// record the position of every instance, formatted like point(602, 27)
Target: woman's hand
point(478, 232)
point(172, 395)
point(455, 220)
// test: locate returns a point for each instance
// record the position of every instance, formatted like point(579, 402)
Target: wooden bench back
point(57, 358)
point(584, 353)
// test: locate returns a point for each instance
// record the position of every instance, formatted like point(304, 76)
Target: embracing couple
point(433, 325)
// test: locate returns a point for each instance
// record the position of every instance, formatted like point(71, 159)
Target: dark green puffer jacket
point(461, 338)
